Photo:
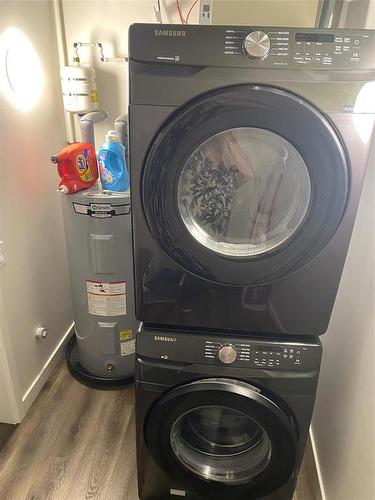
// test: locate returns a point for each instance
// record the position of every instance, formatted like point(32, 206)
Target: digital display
point(315, 37)
point(269, 349)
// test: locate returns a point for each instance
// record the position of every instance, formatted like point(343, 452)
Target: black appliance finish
point(222, 417)
point(285, 114)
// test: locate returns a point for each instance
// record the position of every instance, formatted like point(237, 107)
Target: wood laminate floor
point(78, 443)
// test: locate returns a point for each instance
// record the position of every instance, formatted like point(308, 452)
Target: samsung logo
point(160, 338)
point(174, 33)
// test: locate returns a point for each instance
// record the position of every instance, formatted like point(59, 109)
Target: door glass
point(244, 192)
point(220, 444)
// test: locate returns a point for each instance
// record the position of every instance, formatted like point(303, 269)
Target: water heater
point(99, 247)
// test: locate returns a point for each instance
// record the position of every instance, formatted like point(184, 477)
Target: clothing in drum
point(244, 192)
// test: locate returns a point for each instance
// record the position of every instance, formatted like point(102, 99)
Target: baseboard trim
point(45, 372)
point(9, 411)
point(317, 466)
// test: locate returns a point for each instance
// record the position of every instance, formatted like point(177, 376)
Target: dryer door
point(245, 185)
point(221, 438)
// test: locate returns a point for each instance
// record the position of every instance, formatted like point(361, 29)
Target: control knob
point(257, 45)
point(227, 354)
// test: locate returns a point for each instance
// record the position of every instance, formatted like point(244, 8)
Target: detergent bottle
point(112, 164)
point(77, 167)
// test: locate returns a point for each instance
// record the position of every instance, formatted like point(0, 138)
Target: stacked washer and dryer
point(248, 150)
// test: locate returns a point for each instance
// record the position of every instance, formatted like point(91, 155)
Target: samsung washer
point(222, 417)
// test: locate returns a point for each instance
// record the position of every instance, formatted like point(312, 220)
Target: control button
point(257, 45)
point(227, 354)
point(356, 42)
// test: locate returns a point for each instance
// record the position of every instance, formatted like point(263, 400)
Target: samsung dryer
point(248, 149)
point(222, 417)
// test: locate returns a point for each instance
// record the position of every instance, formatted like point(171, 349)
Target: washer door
point(220, 437)
point(245, 185)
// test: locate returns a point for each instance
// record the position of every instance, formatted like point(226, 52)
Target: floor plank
point(6, 431)
point(78, 443)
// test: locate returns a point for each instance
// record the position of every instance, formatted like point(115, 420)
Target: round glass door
point(220, 444)
point(218, 435)
point(244, 192)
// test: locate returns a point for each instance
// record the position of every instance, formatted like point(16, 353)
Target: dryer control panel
point(236, 351)
point(313, 48)
point(253, 46)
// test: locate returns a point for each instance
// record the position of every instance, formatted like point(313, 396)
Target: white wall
point(344, 417)
point(34, 288)
point(265, 12)
point(108, 22)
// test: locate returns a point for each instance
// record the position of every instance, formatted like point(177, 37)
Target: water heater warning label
point(127, 348)
point(106, 298)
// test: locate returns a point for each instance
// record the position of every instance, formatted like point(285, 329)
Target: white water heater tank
point(79, 88)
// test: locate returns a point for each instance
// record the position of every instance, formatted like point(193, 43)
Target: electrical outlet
point(205, 12)
point(2, 256)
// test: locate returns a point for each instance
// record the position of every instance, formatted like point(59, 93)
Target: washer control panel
point(222, 351)
point(258, 355)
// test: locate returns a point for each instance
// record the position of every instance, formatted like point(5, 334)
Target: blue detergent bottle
point(112, 165)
